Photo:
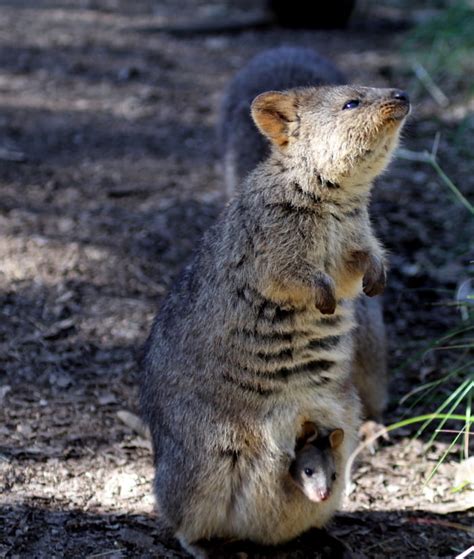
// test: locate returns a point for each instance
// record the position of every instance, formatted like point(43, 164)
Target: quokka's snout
point(396, 106)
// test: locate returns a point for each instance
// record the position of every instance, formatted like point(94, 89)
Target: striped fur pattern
point(240, 357)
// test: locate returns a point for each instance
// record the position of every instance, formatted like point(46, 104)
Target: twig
point(105, 553)
point(384, 431)
point(378, 544)
point(422, 74)
point(465, 553)
point(135, 423)
point(456, 431)
point(425, 157)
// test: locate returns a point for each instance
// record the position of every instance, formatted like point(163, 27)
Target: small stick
point(450, 431)
point(466, 553)
point(425, 157)
point(422, 74)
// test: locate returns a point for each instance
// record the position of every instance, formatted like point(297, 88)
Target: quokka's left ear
point(336, 437)
point(273, 112)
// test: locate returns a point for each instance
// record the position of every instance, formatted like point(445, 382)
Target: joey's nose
point(401, 96)
point(324, 495)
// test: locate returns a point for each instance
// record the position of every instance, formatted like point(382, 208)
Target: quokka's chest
point(338, 250)
point(348, 282)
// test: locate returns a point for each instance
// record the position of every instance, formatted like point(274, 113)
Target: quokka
point(255, 339)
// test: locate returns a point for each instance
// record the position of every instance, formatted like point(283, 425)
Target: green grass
point(440, 52)
point(457, 382)
point(453, 390)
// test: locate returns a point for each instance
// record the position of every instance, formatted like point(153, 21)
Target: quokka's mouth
point(396, 110)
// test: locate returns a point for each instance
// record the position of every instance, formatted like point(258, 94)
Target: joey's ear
point(336, 437)
point(273, 112)
point(309, 433)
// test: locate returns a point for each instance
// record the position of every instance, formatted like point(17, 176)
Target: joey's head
point(343, 135)
point(314, 469)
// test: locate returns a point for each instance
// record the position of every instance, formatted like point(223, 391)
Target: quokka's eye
point(352, 104)
point(334, 476)
point(308, 471)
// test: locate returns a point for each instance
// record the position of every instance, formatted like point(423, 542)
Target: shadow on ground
point(62, 532)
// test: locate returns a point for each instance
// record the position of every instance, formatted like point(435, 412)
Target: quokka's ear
point(336, 437)
point(273, 112)
point(309, 433)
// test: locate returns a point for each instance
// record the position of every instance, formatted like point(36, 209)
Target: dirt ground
point(109, 174)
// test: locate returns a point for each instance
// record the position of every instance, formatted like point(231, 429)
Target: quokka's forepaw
point(358, 260)
point(374, 280)
point(325, 297)
point(327, 307)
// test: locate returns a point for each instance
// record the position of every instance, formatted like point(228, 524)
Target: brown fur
point(241, 354)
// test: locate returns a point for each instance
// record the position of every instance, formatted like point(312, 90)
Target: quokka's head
point(344, 134)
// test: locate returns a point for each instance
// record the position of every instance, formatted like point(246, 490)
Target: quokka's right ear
point(273, 112)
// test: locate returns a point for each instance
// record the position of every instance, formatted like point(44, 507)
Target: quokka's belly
point(269, 509)
point(281, 368)
point(313, 391)
point(280, 353)
point(348, 284)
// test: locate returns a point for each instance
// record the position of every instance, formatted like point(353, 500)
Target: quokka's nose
point(401, 96)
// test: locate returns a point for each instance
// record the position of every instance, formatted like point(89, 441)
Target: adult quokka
point(243, 147)
point(255, 339)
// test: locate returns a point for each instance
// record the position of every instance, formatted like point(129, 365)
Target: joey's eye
point(334, 476)
point(308, 471)
point(352, 104)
